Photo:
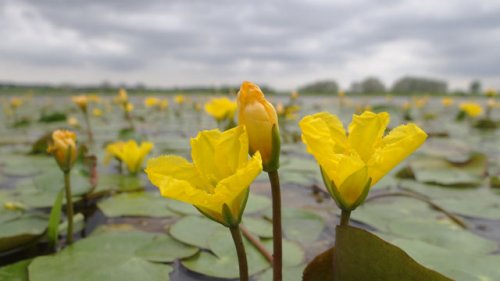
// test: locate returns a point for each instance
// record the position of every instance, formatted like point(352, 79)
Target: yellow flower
point(73, 122)
point(63, 146)
point(472, 109)
point(421, 102)
point(179, 99)
point(15, 102)
point(217, 181)
point(341, 94)
point(447, 102)
point(352, 163)
point(129, 107)
point(163, 104)
point(97, 112)
point(490, 92)
point(261, 122)
point(81, 101)
point(122, 97)
point(129, 152)
point(294, 95)
point(94, 98)
point(151, 102)
point(221, 108)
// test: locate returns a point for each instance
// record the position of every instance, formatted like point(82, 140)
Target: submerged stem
point(240, 250)
point(69, 207)
point(277, 234)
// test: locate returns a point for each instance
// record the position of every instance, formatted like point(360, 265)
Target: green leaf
point(165, 249)
point(15, 272)
point(54, 219)
point(224, 262)
point(320, 268)
point(195, 230)
point(137, 204)
point(21, 231)
point(358, 253)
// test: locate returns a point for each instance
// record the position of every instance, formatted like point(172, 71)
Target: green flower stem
point(89, 128)
point(277, 234)
point(344, 217)
point(69, 207)
point(240, 250)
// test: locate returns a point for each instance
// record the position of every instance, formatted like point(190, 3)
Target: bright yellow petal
point(395, 147)
point(339, 167)
point(353, 186)
point(366, 131)
point(203, 154)
point(323, 134)
point(231, 151)
point(173, 169)
point(232, 190)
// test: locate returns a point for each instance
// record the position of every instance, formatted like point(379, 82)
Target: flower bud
point(63, 147)
point(261, 122)
point(81, 101)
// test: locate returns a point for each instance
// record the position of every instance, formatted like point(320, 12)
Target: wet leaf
point(357, 257)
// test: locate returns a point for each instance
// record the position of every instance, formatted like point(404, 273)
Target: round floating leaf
point(194, 230)
point(17, 232)
point(116, 243)
point(74, 265)
point(481, 204)
point(15, 272)
point(289, 274)
point(257, 203)
point(165, 249)
point(138, 204)
point(181, 207)
point(301, 225)
point(261, 227)
point(293, 254)
point(224, 264)
point(443, 234)
point(454, 263)
point(437, 170)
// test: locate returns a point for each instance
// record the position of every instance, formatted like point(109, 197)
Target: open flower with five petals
point(353, 162)
point(217, 181)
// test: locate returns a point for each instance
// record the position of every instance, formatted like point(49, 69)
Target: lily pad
point(195, 230)
point(15, 272)
point(440, 171)
point(260, 227)
point(165, 249)
point(301, 225)
point(224, 262)
point(17, 232)
point(138, 204)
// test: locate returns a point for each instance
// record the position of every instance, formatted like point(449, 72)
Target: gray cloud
point(282, 43)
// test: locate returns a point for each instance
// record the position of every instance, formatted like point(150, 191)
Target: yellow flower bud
point(63, 147)
point(122, 97)
point(446, 102)
point(261, 122)
point(179, 99)
point(15, 102)
point(81, 101)
point(97, 112)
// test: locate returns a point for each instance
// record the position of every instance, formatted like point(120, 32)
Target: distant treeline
point(14, 89)
point(403, 86)
point(369, 86)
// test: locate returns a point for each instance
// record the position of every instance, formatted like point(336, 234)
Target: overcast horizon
point(283, 44)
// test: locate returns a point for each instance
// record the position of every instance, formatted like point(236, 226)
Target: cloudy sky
point(280, 43)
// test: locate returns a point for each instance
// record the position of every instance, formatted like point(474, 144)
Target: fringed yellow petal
point(366, 131)
point(395, 147)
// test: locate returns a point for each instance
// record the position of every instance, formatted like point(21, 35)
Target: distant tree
point(356, 88)
point(372, 85)
point(415, 85)
point(475, 87)
point(320, 87)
